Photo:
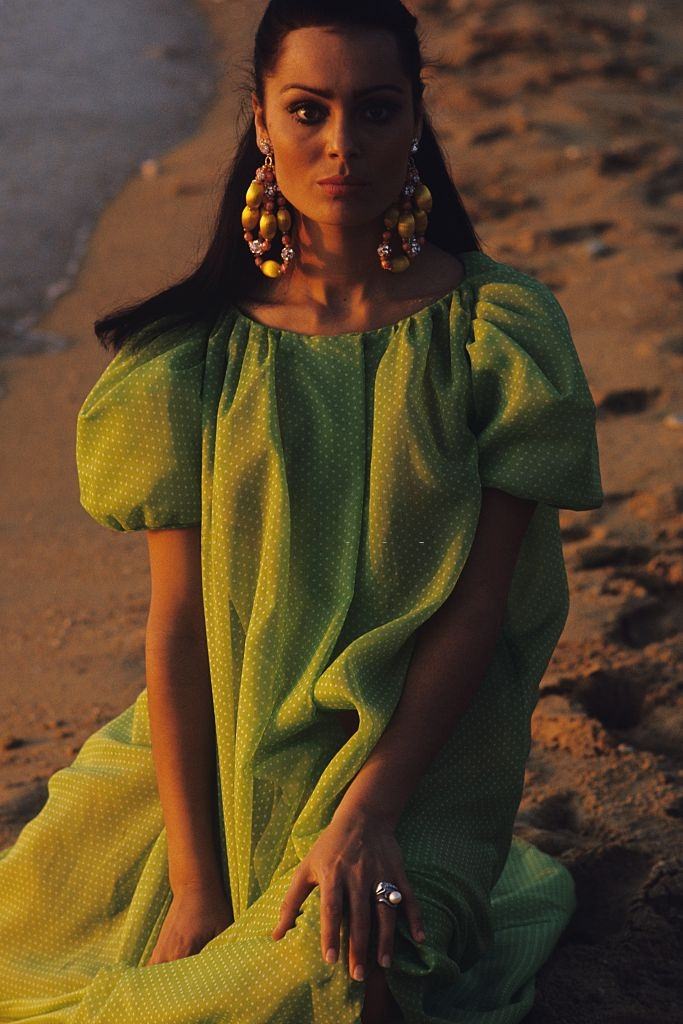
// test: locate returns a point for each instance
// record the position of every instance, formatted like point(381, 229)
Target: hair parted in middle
point(225, 274)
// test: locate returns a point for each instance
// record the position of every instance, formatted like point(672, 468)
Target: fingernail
point(420, 936)
point(386, 960)
point(331, 955)
point(358, 972)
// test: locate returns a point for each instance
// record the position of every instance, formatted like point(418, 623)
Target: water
point(88, 89)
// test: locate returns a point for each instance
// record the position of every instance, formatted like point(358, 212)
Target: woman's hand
point(198, 913)
point(347, 860)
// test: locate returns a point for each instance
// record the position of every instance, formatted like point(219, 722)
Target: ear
point(258, 115)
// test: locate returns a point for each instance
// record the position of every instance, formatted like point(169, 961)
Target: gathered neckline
point(463, 257)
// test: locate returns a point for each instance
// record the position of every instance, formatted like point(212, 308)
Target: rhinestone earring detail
point(266, 210)
point(409, 217)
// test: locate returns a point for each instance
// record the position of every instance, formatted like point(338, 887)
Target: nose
point(341, 140)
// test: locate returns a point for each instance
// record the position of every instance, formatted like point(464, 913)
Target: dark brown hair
point(224, 273)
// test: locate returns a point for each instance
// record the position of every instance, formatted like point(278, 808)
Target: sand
point(561, 122)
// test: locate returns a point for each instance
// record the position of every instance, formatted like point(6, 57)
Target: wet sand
point(563, 129)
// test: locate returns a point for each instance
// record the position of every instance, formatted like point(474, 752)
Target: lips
point(339, 179)
point(343, 187)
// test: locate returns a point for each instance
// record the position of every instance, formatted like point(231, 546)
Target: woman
point(349, 457)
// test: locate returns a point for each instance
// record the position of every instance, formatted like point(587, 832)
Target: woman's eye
point(389, 107)
point(302, 106)
point(374, 108)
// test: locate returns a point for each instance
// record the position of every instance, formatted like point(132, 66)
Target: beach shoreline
point(88, 91)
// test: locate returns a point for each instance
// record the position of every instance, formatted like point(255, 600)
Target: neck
point(337, 266)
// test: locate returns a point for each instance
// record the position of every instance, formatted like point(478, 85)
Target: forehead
point(338, 60)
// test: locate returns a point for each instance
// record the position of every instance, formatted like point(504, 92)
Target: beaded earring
point(262, 198)
point(409, 216)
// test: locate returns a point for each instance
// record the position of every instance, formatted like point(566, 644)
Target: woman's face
point(338, 103)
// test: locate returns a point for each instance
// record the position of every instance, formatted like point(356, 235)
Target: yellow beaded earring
point(266, 210)
point(409, 216)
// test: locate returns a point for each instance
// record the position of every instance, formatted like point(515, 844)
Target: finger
point(359, 926)
point(299, 888)
point(411, 907)
point(158, 955)
point(331, 908)
point(386, 918)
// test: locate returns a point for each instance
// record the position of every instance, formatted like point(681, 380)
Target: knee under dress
point(337, 481)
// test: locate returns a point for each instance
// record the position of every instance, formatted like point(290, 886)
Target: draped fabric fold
point(337, 482)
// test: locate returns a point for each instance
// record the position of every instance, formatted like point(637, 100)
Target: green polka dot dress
point(337, 481)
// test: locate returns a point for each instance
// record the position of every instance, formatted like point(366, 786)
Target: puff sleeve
point(138, 435)
point(534, 412)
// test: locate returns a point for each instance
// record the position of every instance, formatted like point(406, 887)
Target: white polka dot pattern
point(139, 436)
point(338, 482)
point(536, 415)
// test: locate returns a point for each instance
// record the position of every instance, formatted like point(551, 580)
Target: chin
point(342, 214)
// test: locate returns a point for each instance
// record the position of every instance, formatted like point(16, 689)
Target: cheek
point(388, 177)
point(295, 168)
point(391, 170)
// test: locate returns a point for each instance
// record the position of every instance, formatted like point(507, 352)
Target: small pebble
point(149, 168)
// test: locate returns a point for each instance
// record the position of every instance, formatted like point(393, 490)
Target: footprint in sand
point(614, 698)
point(626, 401)
point(647, 620)
point(21, 809)
point(608, 879)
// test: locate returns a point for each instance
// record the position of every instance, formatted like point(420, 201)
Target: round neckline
point(464, 259)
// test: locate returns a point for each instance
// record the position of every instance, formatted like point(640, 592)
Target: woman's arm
point(452, 652)
point(181, 709)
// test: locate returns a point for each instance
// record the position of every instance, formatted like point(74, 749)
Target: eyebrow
point(327, 94)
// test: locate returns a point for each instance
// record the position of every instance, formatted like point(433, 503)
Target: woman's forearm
point(452, 652)
point(445, 671)
point(183, 747)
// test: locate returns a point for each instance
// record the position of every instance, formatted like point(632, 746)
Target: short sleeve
point(534, 413)
point(138, 435)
